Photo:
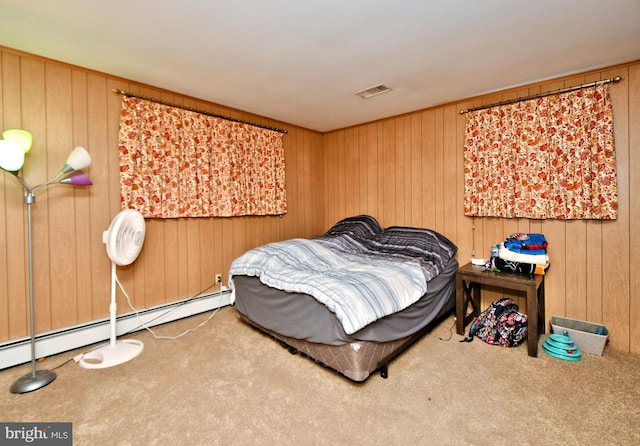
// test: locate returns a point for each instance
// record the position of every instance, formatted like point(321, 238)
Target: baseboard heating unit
point(52, 343)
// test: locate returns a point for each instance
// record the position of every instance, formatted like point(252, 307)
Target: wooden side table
point(469, 279)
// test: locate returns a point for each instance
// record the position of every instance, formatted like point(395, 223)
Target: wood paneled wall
point(404, 170)
point(408, 170)
point(65, 106)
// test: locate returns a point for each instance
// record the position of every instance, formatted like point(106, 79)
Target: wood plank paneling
point(59, 133)
point(14, 234)
point(33, 102)
point(633, 76)
point(428, 179)
point(615, 234)
point(403, 170)
point(420, 160)
point(82, 214)
point(65, 106)
point(449, 166)
point(100, 204)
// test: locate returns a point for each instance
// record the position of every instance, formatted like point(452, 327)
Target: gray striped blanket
point(358, 289)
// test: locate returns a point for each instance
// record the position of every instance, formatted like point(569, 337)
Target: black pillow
point(416, 242)
point(360, 226)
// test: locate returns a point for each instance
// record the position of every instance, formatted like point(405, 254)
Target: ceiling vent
point(373, 91)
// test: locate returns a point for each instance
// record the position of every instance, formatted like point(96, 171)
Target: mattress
point(304, 325)
point(300, 316)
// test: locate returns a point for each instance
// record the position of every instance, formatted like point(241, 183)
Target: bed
point(351, 299)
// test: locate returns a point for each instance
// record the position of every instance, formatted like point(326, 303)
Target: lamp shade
point(77, 178)
point(21, 137)
point(11, 155)
point(78, 159)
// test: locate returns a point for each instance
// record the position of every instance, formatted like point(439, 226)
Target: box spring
point(304, 325)
point(356, 360)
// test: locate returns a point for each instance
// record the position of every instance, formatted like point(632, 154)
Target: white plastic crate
point(589, 337)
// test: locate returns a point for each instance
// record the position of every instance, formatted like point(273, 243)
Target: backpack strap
point(474, 325)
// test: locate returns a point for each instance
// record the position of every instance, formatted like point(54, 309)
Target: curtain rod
point(540, 95)
point(132, 95)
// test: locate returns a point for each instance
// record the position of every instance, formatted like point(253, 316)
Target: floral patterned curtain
point(180, 163)
point(550, 157)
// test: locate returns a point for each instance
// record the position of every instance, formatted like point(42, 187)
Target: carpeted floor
point(227, 384)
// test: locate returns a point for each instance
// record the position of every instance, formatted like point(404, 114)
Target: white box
point(589, 337)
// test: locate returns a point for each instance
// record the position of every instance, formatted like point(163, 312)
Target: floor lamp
point(15, 144)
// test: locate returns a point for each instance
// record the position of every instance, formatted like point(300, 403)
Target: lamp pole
point(37, 378)
point(16, 143)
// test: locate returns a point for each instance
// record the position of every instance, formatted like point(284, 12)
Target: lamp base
point(29, 382)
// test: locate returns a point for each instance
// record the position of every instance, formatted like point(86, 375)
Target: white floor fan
point(123, 241)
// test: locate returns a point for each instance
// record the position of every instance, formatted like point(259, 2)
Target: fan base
point(108, 355)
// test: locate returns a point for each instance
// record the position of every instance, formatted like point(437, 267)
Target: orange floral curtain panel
point(179, 163)
point(551, 157)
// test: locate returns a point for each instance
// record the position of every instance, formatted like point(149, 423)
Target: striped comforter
point(358, 279)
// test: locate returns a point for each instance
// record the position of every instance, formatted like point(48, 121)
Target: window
point(549, 157)
point(180, 163)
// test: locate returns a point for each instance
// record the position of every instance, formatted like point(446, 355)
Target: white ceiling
point(301, 61)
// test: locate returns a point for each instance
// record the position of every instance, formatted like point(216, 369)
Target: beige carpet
point(226, 384)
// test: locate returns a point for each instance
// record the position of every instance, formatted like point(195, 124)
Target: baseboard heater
point(52, 343)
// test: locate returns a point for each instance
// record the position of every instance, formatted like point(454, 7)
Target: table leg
point(467, 292)
point(532, 320)
point(461, 308)
point(542, 320)
point(476, 300)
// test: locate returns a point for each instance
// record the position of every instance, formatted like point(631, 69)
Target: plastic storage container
point(589, 337)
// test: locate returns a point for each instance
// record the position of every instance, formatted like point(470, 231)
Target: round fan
point(123, 241)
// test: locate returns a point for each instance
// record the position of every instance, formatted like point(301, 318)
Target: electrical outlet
point(218, 278)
